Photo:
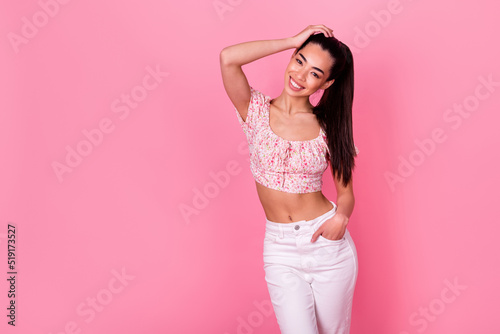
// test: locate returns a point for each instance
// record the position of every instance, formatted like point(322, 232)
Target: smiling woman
point(291, 143)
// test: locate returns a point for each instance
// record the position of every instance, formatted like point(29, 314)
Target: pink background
point(118, 211)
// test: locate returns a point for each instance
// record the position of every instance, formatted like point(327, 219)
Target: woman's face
point(309, 68)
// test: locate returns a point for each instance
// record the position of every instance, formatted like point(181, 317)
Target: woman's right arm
point(235, 56)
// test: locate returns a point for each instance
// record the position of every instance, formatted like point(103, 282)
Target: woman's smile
point(294, 85)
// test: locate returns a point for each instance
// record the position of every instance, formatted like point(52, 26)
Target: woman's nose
point(301, 74)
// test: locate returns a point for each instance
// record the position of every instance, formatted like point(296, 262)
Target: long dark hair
point(334, 109)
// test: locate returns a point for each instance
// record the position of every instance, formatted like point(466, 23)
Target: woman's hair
point(334, 109)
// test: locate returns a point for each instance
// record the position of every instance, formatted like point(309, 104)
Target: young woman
point(310, 259)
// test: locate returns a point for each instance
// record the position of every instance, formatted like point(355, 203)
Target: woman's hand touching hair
point(302, 36)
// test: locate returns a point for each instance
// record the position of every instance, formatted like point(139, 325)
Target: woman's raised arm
point(233, 57)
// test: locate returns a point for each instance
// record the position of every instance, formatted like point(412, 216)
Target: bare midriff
point(283, 207)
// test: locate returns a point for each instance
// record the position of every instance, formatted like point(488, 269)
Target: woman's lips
point(292, 85)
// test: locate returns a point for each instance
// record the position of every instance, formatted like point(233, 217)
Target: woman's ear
point(327, 84)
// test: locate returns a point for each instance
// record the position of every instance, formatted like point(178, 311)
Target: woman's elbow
point(224, 57)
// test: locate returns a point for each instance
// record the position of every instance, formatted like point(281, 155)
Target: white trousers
point(311, 285)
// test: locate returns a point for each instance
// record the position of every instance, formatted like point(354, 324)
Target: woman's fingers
point(316, 234)
point(302, 36)
point(321, 28)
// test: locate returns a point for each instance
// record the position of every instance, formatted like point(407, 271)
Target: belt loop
point(282, 231)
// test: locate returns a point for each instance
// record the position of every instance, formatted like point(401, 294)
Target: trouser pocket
point(337, 241)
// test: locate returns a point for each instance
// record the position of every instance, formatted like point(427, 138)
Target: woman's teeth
point(294, 84)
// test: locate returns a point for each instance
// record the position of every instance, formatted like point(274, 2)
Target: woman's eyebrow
point(313, 66)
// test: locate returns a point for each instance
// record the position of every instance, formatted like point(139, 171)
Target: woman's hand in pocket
point(333, 228)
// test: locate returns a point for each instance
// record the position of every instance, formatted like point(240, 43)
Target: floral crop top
point(280, 164)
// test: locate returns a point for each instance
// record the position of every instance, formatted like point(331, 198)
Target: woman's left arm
point(334, 228)
point(345, 200)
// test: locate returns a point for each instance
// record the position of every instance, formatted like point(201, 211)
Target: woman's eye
point(315, 75)
point(298, 61)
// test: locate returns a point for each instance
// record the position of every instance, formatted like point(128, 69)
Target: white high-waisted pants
point(311, 285)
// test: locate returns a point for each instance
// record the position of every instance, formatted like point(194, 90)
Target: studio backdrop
point(126, 200)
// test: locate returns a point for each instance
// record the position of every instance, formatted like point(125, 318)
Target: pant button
point(297, 227)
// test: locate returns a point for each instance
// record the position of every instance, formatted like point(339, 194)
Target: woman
point(310, 259)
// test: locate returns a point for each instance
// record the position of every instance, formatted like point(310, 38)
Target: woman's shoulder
point(259, 102)
point(257, 97)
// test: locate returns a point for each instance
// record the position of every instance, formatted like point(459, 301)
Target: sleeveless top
point(286, 165)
